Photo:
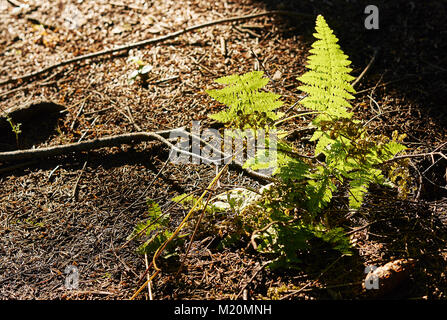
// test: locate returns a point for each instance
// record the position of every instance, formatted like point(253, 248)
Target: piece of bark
point(383, 280)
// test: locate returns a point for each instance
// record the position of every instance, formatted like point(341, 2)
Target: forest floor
point(79, 209)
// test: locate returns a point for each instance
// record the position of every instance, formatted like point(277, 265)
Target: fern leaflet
point(249, 107)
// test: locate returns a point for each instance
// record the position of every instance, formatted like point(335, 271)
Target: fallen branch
point(128, 138)
point(114, 141)
point(152, 41)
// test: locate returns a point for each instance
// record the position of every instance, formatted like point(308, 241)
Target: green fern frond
point(284, 166)
point(336, 237)
point(390, 150)
point(248, 106)
point(154, 211)
point(358, 187)
point(319, 189)
point(328, 81)
point(291, 169)
point(155, 231)
point(155, 221)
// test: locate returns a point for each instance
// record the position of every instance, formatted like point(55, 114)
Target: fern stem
point(179, 228)
point(296, 116)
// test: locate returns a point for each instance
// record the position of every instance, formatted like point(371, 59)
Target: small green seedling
point(15, 128)
point(141, 73)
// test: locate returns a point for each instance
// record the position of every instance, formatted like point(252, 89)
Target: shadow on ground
point(34, 123)
point(412, 41)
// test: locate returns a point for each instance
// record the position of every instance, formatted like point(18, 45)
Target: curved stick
point(113, 141)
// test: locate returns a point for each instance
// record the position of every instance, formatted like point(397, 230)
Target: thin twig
point(434, 184)
point(44, 82)
point(406, 77)
point(146, 42)
point(293, 105)
point(294, 292)
point(112, 246)
point(86, 131)
point(17, 166)
point(252, 278)
point(420, 155)
point(132, 120)
point(367, 225)
point(14, 3)
point(92, 292)
point(194, 233)
point(377, 116)
point(149, 286)
point(252, 238)
point(420, 180)
point(75, 188)
point(167, 210)
point(159, 251)
point(263, 67)
point(366, 68)
point(136, 201)
point(78, 114)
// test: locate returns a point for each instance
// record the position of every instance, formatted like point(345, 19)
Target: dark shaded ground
point(55, 213)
